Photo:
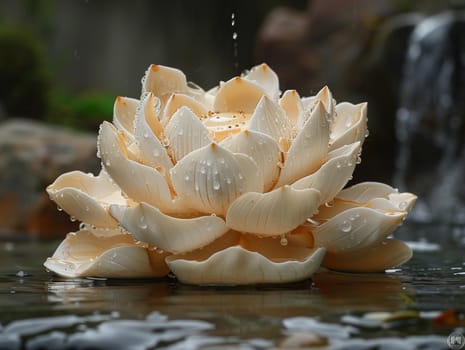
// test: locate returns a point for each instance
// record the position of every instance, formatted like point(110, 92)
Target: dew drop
point(72, 218)
point(186, 178)
point(59, 208)
point(345, 226)
point(82, 226)
point(403, 205)
point(359, 160)
point(313, 222)
point(216, 185)
point(203, 170)
point(107, 163)
point(228, 181)
point(283, 240)
point(142, 223)
point(329, 204)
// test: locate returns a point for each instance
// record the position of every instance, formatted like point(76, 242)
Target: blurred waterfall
point(431, 120)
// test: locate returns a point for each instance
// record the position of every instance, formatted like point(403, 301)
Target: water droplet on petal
point(345, 226)
point(216, 185)
point(283, 240)
point(403, 205)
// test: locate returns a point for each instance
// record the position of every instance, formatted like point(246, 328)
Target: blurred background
point(62, 63)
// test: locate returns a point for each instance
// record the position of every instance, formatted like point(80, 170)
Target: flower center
point(223, 124)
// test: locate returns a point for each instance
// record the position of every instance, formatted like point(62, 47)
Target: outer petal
point(163, 81)
point(356, 228)
point(292, 105)
point(148, 133)
point(365, 191)
point(86, 197)
point(309, 149)
point(210, 178)
point(349, 124)
point(177, 101)
point(185, 133)
point(236, 265)
point(236, 95)
point(334, 174)
point(403, 201)
point(124, 112)
point(140, 182)
point(150, 225)
point(83, 254)
point(270, 119)
point(261, 148)
point(325, 96)
point(272, 213)
point(386, 254)
point(265, 77)
point(368, 191)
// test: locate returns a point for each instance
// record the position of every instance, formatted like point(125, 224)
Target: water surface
point(343, 311)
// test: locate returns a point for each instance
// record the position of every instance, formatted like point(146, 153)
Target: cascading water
point(431, 121)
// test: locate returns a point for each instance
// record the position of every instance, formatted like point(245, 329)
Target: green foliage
point(24, 85)
point(84, 111)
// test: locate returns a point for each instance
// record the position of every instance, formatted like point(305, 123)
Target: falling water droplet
point(234, 36)
point(345, 226)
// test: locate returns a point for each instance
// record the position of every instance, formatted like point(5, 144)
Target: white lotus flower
point(240, 184)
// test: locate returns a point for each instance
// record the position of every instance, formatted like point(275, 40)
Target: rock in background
point(32, 155)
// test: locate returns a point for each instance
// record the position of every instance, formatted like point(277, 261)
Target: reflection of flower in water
point(237, 185)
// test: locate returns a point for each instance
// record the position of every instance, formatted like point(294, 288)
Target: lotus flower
point(236, 185)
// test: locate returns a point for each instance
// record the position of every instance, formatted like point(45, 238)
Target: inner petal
point(221, 125)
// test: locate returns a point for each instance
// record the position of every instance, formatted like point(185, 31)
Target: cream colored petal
point(272, 213)
point(237, 95)
point(177, 101)
point(238, 266)
point(210, 178)
point(355, 229)
point(291, 103)
point(124, 112)
point(403, 201)
point(83, 254)
point(185, 133)
point(261, 148)
point(386, 254)
point(270, 119)
point(265, 77)
point(148, 224)
point(148, 134)
point(139, 182)
point(325, 96)
point(163, 81)
point(309, 149)
point(349, 124)
point(86, 197)
point(366, 191)
point(334, 174)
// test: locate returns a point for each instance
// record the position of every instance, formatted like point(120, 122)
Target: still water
point(414, 307)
